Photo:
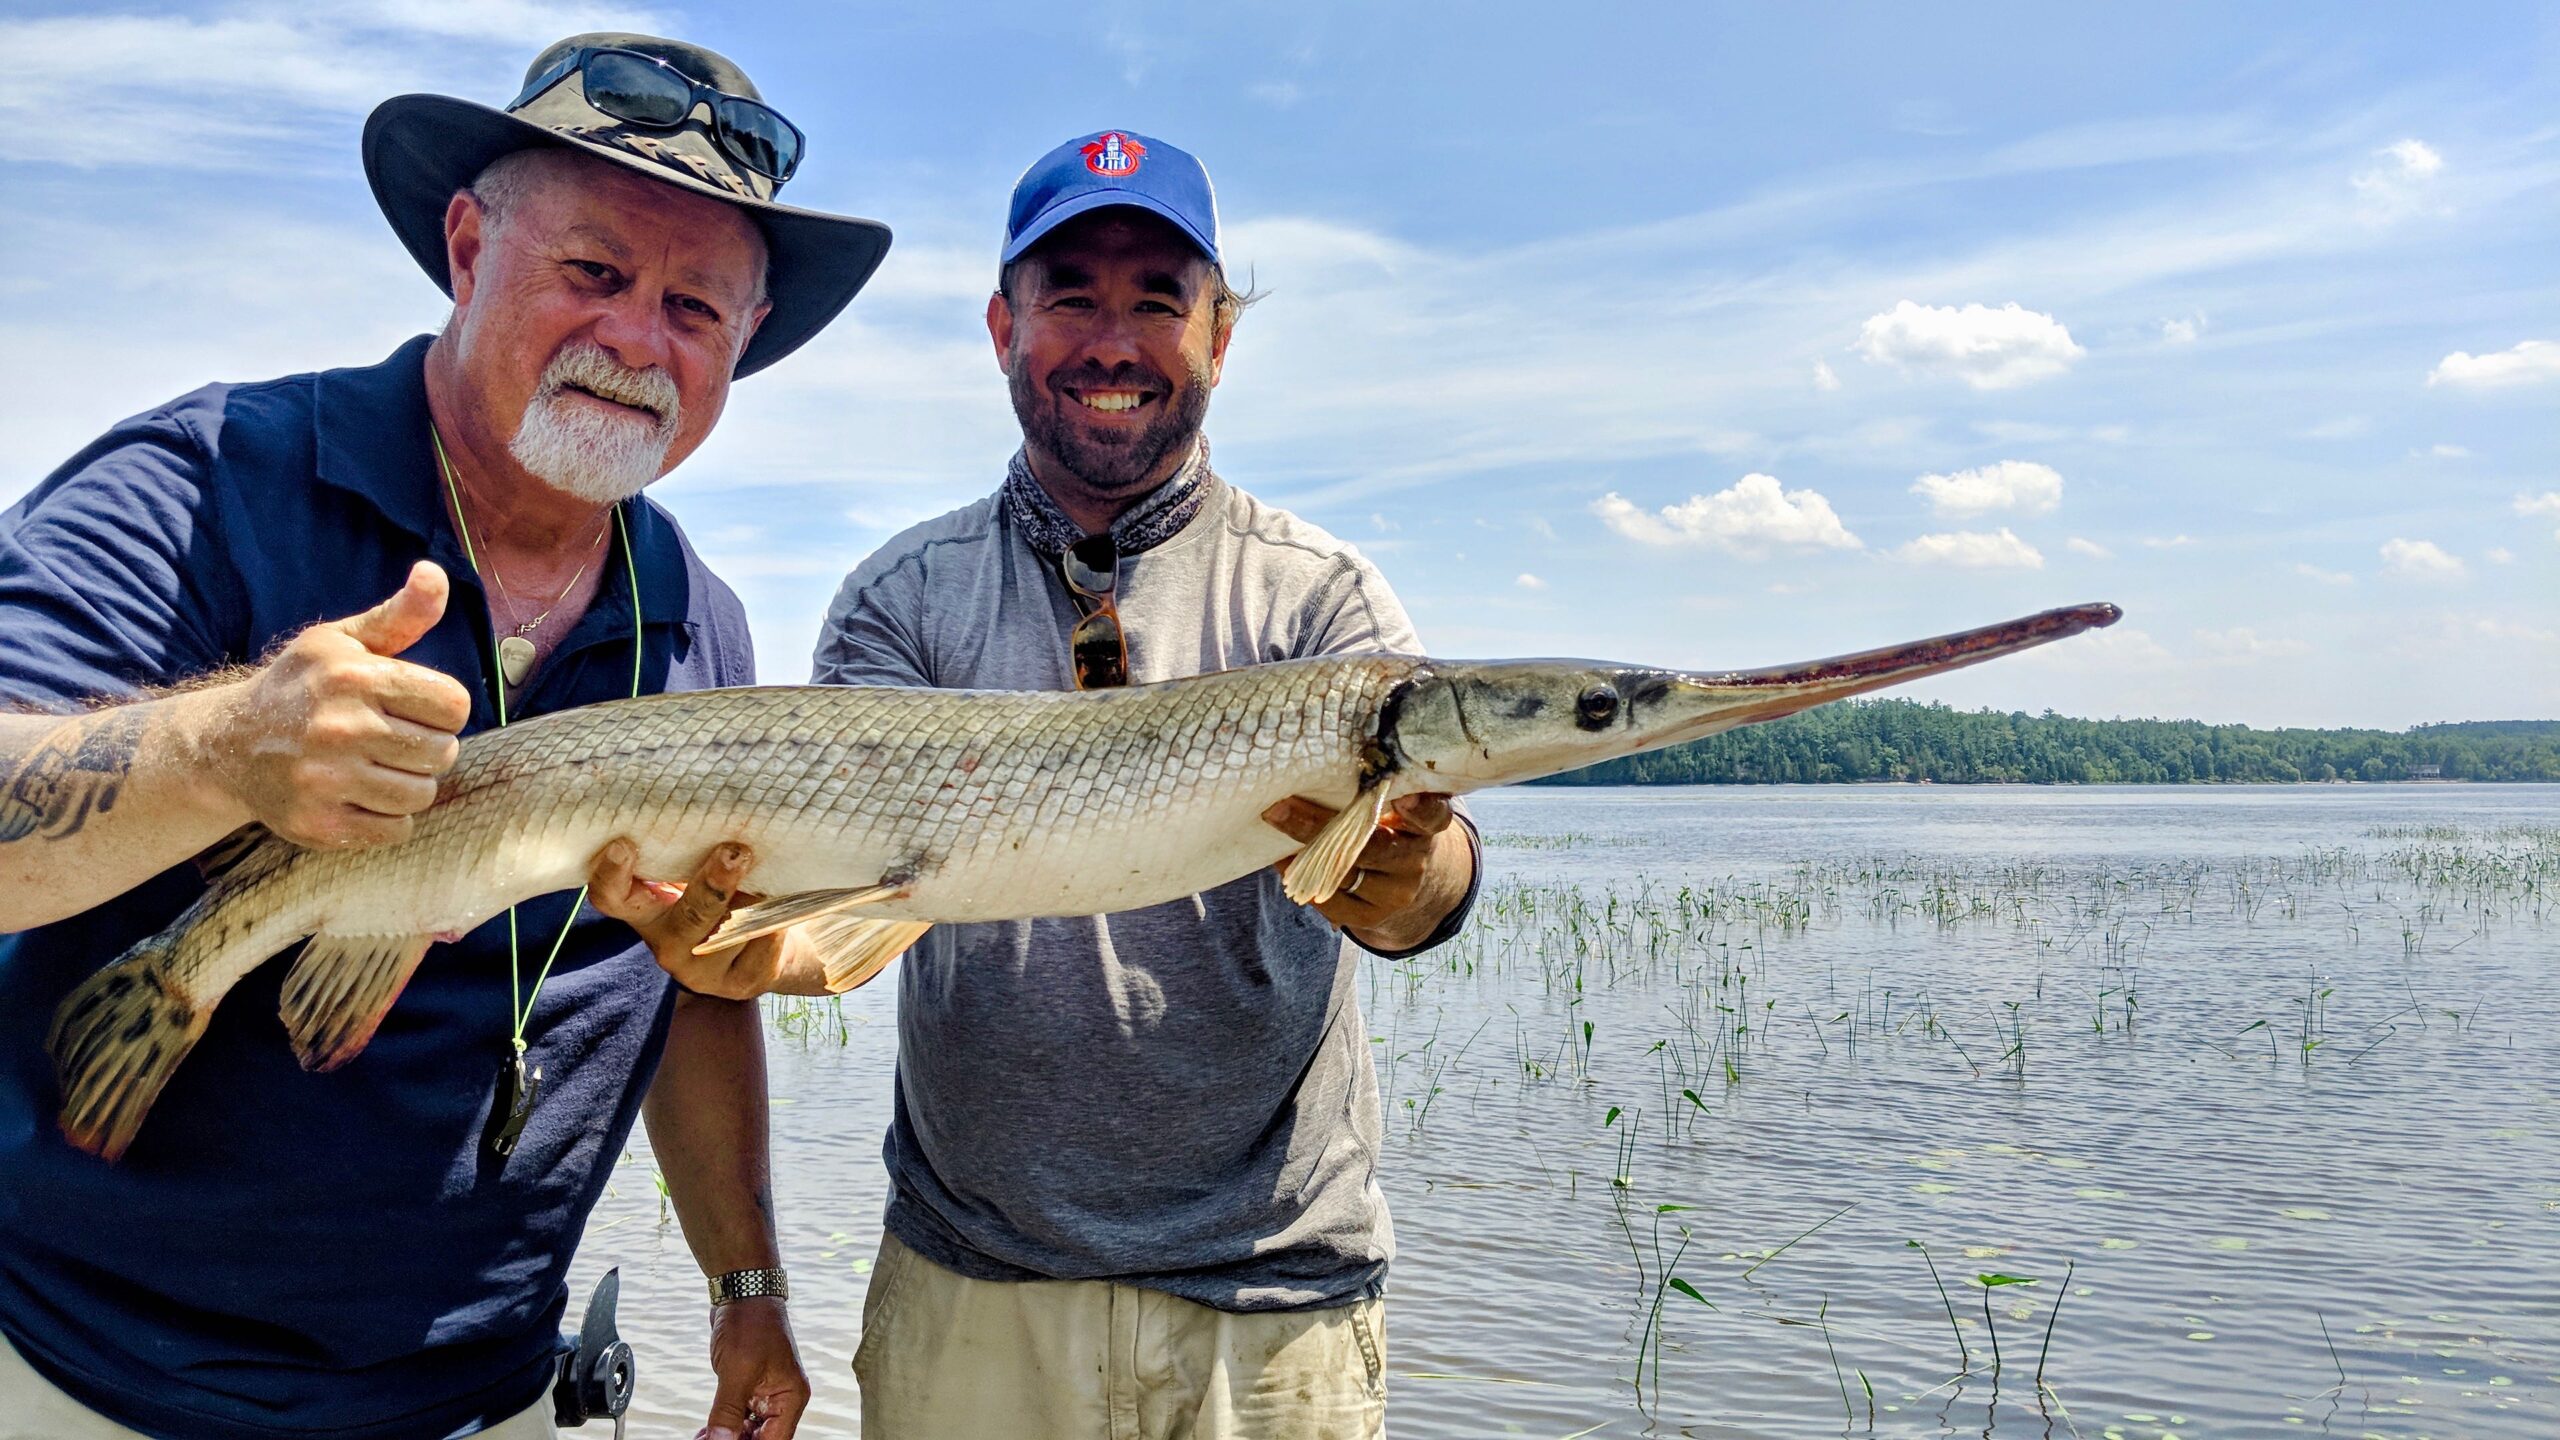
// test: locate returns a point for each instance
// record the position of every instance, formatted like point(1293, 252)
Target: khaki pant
point(32, 1409)
point(945, 1357)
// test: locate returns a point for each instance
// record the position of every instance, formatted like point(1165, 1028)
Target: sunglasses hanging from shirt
point(644, 90)
point(1099, 647)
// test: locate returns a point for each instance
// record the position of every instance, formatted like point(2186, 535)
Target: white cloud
point(2182, 332)
point(2325, 577)
point(2346, 427)
point(250, 76)
point(2242, 643)
point(1280, 94)
point(2420, 560)
point(1973, 550)
point(2501, 555)
point(2397, 184)
point(1745, 520)
point(2546, 503)
point(1530, 582)
point(2450, 452)
point(1823, 378)
point(1988, 349)
point(2007, 485)
point(2528, 362)
point(2172, 542)
point(2090, 548)
point(1381, 522)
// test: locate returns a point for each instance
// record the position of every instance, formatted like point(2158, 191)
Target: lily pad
point(2304, 1212)
point(2228, 1242)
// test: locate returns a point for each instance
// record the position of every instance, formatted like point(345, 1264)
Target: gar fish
point(877, 811)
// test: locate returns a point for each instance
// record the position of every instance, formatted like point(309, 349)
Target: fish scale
point(872, 810)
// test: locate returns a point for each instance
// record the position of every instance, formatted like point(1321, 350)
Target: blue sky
point(1703, 334)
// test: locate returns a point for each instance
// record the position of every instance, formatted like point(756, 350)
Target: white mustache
point(586, 366)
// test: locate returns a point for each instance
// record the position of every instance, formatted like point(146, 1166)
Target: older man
point(1171, 1110)
point(381, 1252)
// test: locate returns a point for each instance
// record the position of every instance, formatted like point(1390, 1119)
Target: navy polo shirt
point(284, 1254)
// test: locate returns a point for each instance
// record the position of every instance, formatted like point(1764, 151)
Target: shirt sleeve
point(870, 633)
point(1355, 613)
point(113, 577)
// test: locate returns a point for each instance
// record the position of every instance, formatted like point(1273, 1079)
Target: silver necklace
point(515, 652)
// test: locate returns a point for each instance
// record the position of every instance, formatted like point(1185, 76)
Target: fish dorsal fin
point(854, 950)
point(1320, 869)
point(756, 921)
point(245, 854)
point(337, 993)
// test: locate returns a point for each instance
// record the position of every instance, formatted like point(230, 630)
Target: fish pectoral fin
point(754, 922)
point(1320, 869)
point(337, 993)
point(854, 949)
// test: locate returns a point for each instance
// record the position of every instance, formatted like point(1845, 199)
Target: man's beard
point(594, 454)
point(1115, 467)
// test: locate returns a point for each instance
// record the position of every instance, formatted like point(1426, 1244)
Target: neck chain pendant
point(515, 659)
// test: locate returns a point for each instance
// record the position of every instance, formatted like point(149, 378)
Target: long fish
point(874, 812)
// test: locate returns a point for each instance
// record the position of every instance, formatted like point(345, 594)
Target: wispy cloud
point(1530, 582)
point(2242, 643)
point(2404, 559)
point(2528, 362)
point(1824, 378)
point(2167, 542)
point(242, 83)
point(2090, 548)
point(1988, 349)
point(2182, 331)
point(2400, 180)
point(2019, 485)
point(1748, 519)
point(2325, 577)
point(1973, 550)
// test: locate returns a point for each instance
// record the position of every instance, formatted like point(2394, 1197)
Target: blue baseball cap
point(1106, 168)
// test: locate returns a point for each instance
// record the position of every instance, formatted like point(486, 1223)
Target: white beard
point(594, 454)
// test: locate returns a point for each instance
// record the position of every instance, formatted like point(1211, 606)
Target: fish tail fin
point(856, 950)
point(117, 1039)
point(337, 993)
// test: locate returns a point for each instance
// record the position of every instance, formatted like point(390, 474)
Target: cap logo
point(1113, 155)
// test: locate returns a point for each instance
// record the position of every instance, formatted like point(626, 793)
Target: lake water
point(2259, 1086)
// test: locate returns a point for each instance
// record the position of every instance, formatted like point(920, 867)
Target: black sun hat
point(420, 149)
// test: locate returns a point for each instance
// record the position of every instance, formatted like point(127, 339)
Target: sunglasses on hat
point(644, 90)
point(1099, 646)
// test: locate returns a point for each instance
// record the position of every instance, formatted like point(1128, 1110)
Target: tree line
point(1876, 740)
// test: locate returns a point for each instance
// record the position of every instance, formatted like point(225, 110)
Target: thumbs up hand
point(336, 741)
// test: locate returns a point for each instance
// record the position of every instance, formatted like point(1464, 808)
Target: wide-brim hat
point(420, 149)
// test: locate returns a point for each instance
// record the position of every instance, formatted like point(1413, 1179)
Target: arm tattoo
point(69, 775)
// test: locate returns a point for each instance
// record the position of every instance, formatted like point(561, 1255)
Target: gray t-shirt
point(1178, 1097)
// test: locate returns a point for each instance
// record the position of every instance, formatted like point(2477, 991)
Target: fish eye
point(1597, 707)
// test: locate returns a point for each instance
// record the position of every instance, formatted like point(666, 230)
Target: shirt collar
point(370, 432)
point(1158, 516)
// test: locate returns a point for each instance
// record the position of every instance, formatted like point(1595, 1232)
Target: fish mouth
point(1748, 697)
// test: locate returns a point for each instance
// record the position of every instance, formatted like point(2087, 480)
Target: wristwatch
point(749, 1284)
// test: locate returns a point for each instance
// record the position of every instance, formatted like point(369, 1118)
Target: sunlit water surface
point(2284, 1113)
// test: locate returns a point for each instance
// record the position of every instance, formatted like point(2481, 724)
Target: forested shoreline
point(1902, 740)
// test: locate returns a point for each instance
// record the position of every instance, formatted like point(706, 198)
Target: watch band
point(750, 1284)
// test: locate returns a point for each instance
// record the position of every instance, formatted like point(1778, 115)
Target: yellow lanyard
point(521, 1004)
